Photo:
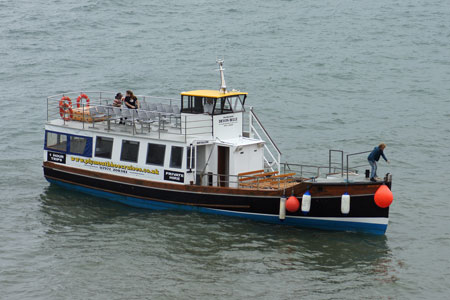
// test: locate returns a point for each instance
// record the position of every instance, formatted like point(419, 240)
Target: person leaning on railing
point(131, 100)
point(373, 157)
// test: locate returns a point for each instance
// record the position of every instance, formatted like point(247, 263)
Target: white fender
point(282, 207)
point(306, 202)
point(345, 204)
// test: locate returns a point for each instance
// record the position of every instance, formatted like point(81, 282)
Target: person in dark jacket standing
point(373, 157)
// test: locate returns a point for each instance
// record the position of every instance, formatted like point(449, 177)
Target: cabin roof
point(212, 93)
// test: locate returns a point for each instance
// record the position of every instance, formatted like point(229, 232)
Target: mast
point(223, 86)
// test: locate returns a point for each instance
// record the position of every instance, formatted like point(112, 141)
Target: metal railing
point(101, 101)
point(256, 129)
point(330, 161)
point(315, 171)
point(235, 181)
point(353, 154)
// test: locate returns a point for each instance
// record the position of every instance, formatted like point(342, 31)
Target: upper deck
point(157, 118)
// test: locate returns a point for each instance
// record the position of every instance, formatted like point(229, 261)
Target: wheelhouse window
point(56, 141)
point(103, 147)
point(155, 154)
point(190, 155)
point(130, 151)
point(78, 145)
point(193, 104)
point(223, 106)
point(176, 157)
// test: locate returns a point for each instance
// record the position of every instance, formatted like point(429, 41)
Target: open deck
point(157, 118)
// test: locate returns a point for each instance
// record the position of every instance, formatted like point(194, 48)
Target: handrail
point(252, 130)
point(187, 127)
point(264, 129)
point(352, 154)
point(342, 160)
point(261, 182)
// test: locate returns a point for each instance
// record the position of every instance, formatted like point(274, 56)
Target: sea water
point(320, 74)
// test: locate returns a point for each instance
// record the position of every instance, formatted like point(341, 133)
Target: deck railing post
point(159, 125)
point(185, 129)
point(329, 161)
point(347, 168)
point(92, 117)
point(132, 122)
point(108, 120)
point(82, 114)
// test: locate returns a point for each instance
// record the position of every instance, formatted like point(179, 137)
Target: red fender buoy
point(292, 204)
point(79, 100)
point(64, 107)
point(383, 196)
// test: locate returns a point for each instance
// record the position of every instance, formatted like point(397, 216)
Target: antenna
point(223, 86)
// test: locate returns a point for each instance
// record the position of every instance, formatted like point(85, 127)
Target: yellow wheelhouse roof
point(212, 93)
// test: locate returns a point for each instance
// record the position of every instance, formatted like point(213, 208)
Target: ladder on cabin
point(272, 154)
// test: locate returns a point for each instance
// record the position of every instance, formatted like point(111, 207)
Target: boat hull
point(325, 213)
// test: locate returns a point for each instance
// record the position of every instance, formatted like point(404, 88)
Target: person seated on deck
point(131, 100)
point(118, 100)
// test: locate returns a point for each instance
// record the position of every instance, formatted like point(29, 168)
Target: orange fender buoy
point(292, 204)
point(383, 196)
point(81, 97)
point(64, 107)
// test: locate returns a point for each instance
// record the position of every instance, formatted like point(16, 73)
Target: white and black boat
point(206, 152)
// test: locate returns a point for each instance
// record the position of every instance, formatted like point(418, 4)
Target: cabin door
point(201, 178)
point(223, 165)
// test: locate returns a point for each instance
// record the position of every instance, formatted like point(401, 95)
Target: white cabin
point(209, 138)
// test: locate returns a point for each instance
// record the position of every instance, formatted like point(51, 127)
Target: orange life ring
point(64, 107)
point(79, 100)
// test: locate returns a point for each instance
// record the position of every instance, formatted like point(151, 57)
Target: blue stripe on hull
point(378, 229)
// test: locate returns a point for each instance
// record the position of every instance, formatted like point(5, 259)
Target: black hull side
point(362, 206)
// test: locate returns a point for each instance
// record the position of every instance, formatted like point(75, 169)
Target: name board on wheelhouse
point(228, 125)
point(173, 176)
point(56, 157)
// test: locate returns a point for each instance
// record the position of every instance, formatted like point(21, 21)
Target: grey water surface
point(321, 74)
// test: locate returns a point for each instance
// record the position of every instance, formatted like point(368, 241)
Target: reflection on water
point(210, 246)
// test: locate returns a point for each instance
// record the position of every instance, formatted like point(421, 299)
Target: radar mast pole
point(223, 86)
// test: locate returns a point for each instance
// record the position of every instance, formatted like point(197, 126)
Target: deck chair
point(152, 106)
point(144, 120)
point(177, 115)
point(95, 116)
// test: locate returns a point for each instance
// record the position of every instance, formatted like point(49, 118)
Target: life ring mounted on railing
point(65, 107)
point(83, 96)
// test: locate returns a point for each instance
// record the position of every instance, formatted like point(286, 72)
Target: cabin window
point(193, 104)
point(103, 147)
point(208, 105)
point(56, 141)
point(176, 157)
point(77, 144)
point(155, 154)
point(130, 151)
point(190, 155)
point(236, 103)
point(223, 106)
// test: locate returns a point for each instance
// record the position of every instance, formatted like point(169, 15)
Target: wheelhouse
point(212, 102)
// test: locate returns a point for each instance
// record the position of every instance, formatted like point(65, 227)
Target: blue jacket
point(375, 154)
